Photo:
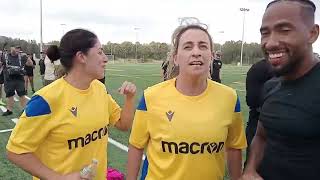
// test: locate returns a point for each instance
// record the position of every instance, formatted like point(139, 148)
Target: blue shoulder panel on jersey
point(142, 104)
point(37, 106)
point(237, 108)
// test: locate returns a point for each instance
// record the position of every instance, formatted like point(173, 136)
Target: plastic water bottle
point(89, 170)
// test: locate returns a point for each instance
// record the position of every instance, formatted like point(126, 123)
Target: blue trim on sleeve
point(37, 106)
point(144, 171)
point(237, 108)
point(142, 104)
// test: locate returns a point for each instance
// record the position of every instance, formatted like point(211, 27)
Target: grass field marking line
point(5, 130)
point(3, 109)
point(120, 70)
point(15, 120)
point(121, 75)
point(237, 82)
point(16, 99)
point(121, 146)
point(241, 90)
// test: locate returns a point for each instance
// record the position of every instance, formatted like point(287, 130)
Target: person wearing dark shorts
point(13, 78)
point(286, 145)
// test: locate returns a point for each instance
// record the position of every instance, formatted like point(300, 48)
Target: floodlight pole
point(41, 41)
point(136, 54)
point(244, 10)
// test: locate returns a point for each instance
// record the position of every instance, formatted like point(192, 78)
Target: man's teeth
point(277, 55)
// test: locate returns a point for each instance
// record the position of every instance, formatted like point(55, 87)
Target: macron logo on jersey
point(192, 148)
point(74, 111)
point(85, 140)
point(169, 115)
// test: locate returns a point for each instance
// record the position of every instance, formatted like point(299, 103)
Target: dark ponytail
point(53, 53)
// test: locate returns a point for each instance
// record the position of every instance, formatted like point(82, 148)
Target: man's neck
point(302, 68)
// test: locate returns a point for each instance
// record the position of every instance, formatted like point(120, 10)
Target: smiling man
point(286, 144)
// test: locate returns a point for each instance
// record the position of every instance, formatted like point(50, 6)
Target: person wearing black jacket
point(258, 74)
point(216, 66)
point(42, 67)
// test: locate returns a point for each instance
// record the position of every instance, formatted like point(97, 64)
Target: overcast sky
point(115, 20)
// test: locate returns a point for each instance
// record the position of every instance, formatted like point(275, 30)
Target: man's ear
point(314, 34)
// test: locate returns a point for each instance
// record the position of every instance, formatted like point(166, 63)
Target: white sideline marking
point(121, 75)
point(16, 99)
point(119, 145)
point(3, 109)
point(240, 90)
point(120, 70)
point(6, 130)
point(15, 120)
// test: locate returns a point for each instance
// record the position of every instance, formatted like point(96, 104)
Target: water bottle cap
point(94, 161)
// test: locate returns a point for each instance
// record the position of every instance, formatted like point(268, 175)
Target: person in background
point(216, 66)
point(1, 78)
point(13, 69)
point(50, 61)
point(257, 75)
point(42, 67)
point(29, 74)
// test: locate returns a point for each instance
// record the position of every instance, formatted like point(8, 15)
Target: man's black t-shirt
point(290, 116)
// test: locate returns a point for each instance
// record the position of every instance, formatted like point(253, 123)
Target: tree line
point(151, 51)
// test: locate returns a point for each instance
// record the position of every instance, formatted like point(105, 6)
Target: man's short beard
point(288, 68)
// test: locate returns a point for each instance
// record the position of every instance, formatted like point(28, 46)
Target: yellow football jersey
point(186, 136)
point(66, 127)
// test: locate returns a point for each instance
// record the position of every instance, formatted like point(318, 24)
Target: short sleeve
point(236, 135)
point(114, 110)
point(32, 128)
point(139, 136)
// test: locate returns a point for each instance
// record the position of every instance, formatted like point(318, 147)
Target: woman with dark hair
point(189, 123)
point(29, 74)
point(50, 61)
point(65, 124)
